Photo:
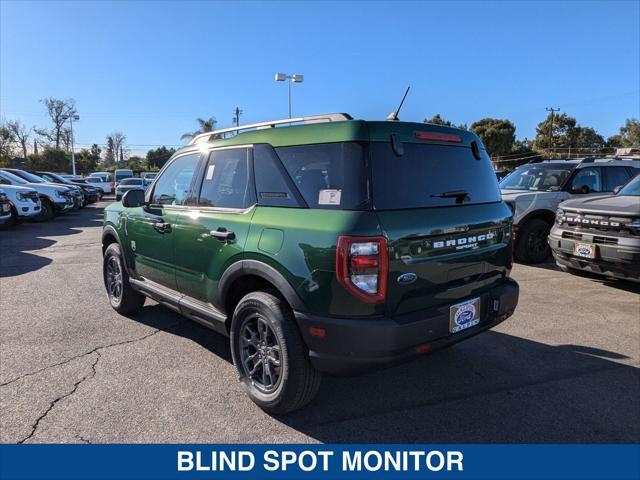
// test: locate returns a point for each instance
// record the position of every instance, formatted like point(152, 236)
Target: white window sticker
point(329, 197)
point(210, 171)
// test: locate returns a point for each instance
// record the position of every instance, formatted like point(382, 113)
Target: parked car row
point(580, 211)
point(40, 196)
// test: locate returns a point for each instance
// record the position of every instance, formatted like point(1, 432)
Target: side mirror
point(617, 189)
point(133, 198)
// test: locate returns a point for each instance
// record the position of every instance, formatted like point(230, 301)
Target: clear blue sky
point(148, 69)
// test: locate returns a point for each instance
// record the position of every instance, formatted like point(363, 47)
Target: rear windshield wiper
point(459, 195)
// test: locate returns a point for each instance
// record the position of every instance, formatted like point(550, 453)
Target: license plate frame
point(585, 250)
point(464, 315)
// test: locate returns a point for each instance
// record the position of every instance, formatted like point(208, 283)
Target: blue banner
point(318, 462)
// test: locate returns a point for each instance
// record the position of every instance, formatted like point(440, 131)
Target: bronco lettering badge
point(463, 243)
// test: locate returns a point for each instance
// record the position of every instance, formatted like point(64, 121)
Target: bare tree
point(59, 112)
point(65, 138)
point(116, 149)
point(21, 135)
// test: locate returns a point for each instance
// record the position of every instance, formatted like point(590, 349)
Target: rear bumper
point(352, 345)
point(621, 260)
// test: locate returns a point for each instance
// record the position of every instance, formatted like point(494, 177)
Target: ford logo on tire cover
point(407, 278)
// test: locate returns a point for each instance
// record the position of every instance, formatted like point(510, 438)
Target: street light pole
point(73, 151)
point(295, 78)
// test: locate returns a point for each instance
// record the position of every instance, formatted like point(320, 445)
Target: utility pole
point(552, 110)
point(236, 117)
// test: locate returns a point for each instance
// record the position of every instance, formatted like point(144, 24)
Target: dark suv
point(324, 245)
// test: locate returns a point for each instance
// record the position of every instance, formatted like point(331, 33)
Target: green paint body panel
point(301, 243)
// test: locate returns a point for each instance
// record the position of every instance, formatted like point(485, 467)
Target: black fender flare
point(109, 230)
point(259, 269)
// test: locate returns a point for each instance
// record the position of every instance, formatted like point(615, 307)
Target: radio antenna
point(393, 116)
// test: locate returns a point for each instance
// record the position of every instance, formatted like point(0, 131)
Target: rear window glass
point(425, 173)
point(131, 181)
point(329, 175)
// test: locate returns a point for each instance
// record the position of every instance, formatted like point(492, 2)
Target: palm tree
point(208, 125)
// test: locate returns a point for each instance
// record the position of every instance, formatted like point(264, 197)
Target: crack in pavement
point(92, 374)
point(94, 350)
point(34, 427)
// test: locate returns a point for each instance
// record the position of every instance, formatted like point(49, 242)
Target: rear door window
point(273, 185)
point(226, 180)
point(425, 173)
point(328, 175)
point(586, 180)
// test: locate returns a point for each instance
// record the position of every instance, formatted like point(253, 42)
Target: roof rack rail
point(328, 117)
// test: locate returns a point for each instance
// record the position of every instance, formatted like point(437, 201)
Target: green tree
point(587, 137)
point(51, 158)
point(614, 141)
point(497, 135)
point(136, 162)
point(87, 160)
point(157, 158)
point(7, 141)
point(564, 132)
point(208, 125)
point(630, 133)
point(438, 120)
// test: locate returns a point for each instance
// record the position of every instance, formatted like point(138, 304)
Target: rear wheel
point(270, 356)
point(122, 297)
point(531, 244)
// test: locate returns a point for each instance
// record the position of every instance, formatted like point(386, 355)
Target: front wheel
point(531, 242)
point(47, 211)
point(270, 356)
point(122, 297)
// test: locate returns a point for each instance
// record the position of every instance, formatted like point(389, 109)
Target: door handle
point(162, 227)
point(223, 234)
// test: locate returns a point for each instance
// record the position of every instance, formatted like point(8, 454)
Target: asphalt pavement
point(564, 368)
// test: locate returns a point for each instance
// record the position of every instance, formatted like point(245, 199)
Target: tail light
point(362, 267)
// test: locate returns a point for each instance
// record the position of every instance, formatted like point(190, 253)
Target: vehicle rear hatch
point(439, 206)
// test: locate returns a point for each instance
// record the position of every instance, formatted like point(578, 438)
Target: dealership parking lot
point(564, 368)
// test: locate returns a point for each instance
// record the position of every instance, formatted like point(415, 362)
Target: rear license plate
point(464, 315)
point(584, 250)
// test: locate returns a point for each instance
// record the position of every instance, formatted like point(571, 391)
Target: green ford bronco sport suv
point(319, 244)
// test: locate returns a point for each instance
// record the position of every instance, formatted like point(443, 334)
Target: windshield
point(632, 188)
point(30, 177)
point(537, 177)
point(53, 178)
point(12, 178)
point(429, 175)
point(131, 181)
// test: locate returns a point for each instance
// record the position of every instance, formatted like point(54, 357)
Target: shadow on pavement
point(625, 285)
point(494, 388)
point(17, 243)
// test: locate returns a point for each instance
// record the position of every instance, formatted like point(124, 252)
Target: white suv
point(24, 202)
point(53, 198)
point(534, 191)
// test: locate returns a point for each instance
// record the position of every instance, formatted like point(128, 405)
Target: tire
point(12, 221)
point(47, 212)
point(122, 297)
point(297, 381)
point(531, 245)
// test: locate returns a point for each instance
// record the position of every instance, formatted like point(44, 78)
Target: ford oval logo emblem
point(407, 278)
